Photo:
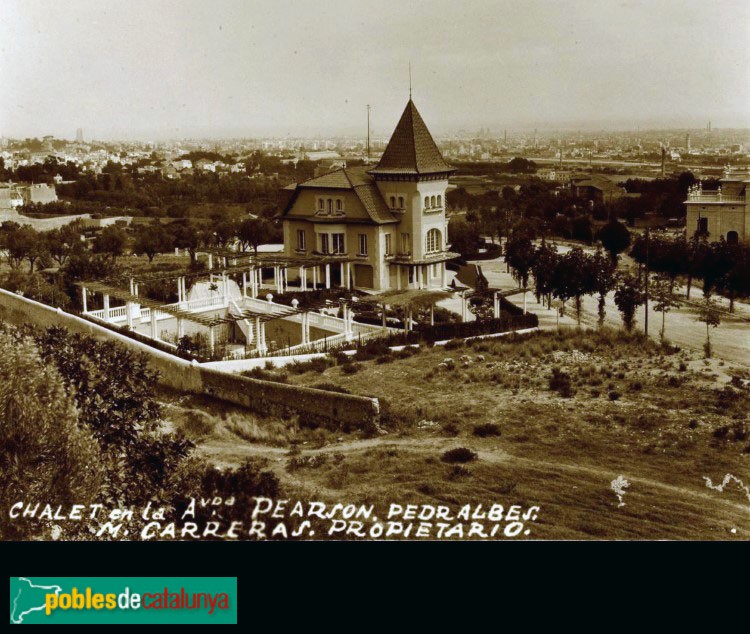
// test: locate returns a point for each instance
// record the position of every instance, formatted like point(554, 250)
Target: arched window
point(330, 205)
point(338, 204)
point(432, 202)
point(733, 237)
point(434, 241)
point(426, 202)
point(321, 204)
point(400, 202)
point(393, 202)
point(440, 200)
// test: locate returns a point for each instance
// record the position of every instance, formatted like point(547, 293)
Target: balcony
point(713, 196)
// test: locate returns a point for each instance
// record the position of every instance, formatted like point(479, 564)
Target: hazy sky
point(172, 69)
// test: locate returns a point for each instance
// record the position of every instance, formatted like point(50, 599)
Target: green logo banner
point(123, 600)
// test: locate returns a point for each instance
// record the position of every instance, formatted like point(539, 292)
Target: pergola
point(409, 300)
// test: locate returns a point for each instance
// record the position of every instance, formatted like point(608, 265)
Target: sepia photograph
point(339, 271)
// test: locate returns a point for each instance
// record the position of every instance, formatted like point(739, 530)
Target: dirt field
point(619, 406)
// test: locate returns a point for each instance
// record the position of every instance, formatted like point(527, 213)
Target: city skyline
point(169, 70)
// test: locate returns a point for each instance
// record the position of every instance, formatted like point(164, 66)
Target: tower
point(79, 135)
point(412, 169)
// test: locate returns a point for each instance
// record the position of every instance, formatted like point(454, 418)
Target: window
point(330, 206)
point(702, 225)
point(301, 240)
point(426, 202)
point(393, 202)
point(338, 242)
point(339, 205)
point(433, 242)
point(432, 202)
point(362, 244)
point(324, 245)
point(321, 204)
point(400, 202)
point(440, 201)
point(388, 244)
point(405, 243)
point(733, 237)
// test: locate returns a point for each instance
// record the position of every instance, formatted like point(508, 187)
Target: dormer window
point(426, 202)
point(432, 202)
point(321, 204)
point(400, 202)
point(393, 202)
point(330, 205)
point(339, 205)
point(439, 201)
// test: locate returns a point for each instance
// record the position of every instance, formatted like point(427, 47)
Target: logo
point(123, 600)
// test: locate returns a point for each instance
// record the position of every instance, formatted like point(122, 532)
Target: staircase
point(245, 326)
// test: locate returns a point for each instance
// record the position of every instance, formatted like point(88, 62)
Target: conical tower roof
point(411, 150)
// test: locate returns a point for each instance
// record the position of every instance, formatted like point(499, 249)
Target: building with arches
point(388, 222)
point(721, 213)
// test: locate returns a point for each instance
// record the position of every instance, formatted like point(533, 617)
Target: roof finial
point(409, 80)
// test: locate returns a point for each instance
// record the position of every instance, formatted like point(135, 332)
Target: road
point(730, 341)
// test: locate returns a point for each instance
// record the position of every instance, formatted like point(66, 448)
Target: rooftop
point(411, 150)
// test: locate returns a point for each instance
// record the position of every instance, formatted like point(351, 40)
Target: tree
point(628, 297)
point(111, 242)
point(113, 390)
point(662, 291)
point(60, 243)
point(546, 261)
point(573, 278)
point(462, 235)
point(603, 279)
point(709, 315)
point(614, 237)
point(20, 242)
point(252, 232)
point(187, 236)
point(150, 240)
point(46, 456)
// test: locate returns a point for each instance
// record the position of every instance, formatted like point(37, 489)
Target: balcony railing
point(713, 197)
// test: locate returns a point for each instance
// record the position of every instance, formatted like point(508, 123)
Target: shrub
point(614, 395)
point(350, 368)
point(319, 364)
point(265, 375)
point(331, 387)
point(451, 429)
point(560, 382)
point(457, 472)
point(486, 429)
point(459, 455)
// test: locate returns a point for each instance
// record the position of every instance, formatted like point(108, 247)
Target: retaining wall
point(265, 397)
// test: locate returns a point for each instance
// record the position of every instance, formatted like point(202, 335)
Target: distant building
point(596, 187)
point(386, 224)
point(39, 193)
point(79, 135)
point(722, 213)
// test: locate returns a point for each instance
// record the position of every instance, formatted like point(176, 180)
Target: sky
point(160, 69)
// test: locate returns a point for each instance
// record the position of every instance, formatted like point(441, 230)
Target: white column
point(179, 290)
point(302, 278)
point(211, 339)
point(524, 302)
point(328, 276)
point(398, 277)
point(244, 284)
point(132, 286)
point(315, 277)
point(129, 315)
point(496, 305)
point(180, 328)
point(419, 276)
point(84, 299)
point(442, 275)
point(106, 307)
point(154, 328)
point(210, 261)
point(348, 275)
point(225, 289)
point(343, 279)
point(432, 314)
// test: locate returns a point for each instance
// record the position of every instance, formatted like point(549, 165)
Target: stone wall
point(345, 411)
